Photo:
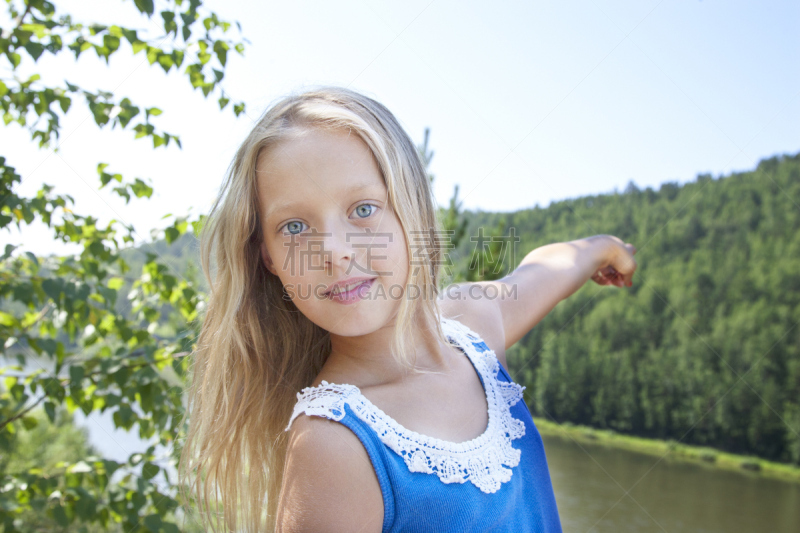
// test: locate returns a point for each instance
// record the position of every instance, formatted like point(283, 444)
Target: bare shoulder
point(475, 307)
point(329, 484)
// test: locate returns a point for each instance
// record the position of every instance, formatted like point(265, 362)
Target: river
point(591, 480)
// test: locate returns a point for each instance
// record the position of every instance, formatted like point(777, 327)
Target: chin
point(353, 322)
point(351, 327)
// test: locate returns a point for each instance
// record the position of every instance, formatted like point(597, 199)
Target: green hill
point(705, 347)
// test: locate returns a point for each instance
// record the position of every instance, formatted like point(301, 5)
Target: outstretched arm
point(552, 273)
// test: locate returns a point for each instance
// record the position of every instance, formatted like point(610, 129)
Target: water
point(590, 481)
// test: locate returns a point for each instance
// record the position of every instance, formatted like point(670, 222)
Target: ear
point(267, 259)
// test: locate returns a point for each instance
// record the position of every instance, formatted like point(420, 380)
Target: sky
point(527, 102)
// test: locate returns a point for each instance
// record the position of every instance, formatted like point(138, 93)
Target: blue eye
point(368, 213)
point(296, 224)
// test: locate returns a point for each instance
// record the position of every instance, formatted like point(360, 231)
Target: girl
point(335, 387)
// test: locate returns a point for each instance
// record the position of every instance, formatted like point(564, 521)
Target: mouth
point(351, 292)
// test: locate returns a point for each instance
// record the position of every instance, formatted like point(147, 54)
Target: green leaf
point(33, 258)
point(153, 523)
point(50, 410)
point(29, 422)
point(111, 43)
point(35, 50)
point(60, 516)
point(171, 235)
point(7, 319)
point(76, 373)
point(197, 226)
point(221, 48)
point(86, 507)
point(141, 189)
point(38, 29)
point(170, 26)
point(166, 62)
point(130, 35)
point(152, 54)
point(52, 288)
point(144, 6)
point(177, 57)
point(65, 102)
point(149, 470)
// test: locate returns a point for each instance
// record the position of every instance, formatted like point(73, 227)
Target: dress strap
point(468, 340)
point(325, 400)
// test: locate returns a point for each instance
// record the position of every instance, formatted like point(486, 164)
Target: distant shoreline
point(670, 450)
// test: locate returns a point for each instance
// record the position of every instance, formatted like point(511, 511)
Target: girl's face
point(326, 219)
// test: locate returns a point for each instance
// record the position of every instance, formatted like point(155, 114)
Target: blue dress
point(497, 482)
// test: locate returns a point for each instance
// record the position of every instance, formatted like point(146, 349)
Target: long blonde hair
point(256, 350)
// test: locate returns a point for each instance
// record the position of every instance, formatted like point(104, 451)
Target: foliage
point(61, 312)
point(46, 443)
point(50, 447)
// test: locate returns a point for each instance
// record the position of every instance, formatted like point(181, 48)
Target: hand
point(619, 265)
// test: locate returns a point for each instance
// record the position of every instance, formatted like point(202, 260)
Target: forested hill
point(705, 347)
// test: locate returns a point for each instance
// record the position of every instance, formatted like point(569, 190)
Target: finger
point(609, 271)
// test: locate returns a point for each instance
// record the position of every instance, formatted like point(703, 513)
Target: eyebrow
point(276, 209)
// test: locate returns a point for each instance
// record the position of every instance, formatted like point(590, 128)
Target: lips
point(358, 291)
point(348, 284)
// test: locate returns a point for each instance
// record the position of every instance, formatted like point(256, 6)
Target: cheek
point(294, 259)
point(396, 259)
point(293, 275)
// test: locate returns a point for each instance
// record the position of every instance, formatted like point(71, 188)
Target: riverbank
point(670, 450)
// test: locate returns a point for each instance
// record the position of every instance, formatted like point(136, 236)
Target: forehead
point(316, 165)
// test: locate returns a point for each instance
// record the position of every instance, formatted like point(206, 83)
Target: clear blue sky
point(528, 102)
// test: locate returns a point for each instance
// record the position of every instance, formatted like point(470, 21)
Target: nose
point(339, 251)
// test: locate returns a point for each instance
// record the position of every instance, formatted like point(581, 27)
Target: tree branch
point(65, 381)
point(22, 413)
point(21, 18)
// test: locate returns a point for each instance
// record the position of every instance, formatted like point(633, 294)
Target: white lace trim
point(482, 460)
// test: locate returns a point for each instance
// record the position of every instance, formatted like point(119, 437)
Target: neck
point(368, 358)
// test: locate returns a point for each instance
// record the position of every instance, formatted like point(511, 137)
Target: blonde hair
point(256, 350)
